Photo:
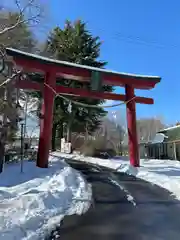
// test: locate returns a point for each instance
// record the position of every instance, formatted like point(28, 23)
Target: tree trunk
point(60, 134)
point(60, 131)
point(2, 146)
point(69, 126)
point(53, 141)
point(2, 153)
point(3, 135)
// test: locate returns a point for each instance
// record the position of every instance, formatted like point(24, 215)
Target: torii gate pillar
point(131, 125)
point(46, 120)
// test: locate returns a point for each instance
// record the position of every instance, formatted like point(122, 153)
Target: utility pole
point(25, 115)
point(22, 146)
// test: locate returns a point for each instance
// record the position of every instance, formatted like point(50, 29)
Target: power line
point(141, 41)
point(118, 36)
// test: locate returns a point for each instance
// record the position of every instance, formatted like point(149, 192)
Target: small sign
point(65, 147)
point(96, 81)
point(62, 144)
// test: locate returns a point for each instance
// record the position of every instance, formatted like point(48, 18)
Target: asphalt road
point(155, 216)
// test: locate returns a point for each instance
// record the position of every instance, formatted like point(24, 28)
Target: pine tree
point(74, 43)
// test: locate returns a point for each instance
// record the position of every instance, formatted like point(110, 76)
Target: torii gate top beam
point(80, 72)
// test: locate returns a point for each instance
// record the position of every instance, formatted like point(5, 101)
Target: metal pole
point(25, 116)
point(22, 146)
point(3, 135)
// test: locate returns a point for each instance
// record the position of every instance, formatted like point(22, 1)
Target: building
point(166, 144)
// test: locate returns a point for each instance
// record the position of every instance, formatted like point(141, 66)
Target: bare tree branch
point(35, 13)
point(28, 13)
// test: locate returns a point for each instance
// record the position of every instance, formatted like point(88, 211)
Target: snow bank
point(32, 203)
point(164, 173)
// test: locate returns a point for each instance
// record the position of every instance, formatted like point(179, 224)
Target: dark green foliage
point(76, 44)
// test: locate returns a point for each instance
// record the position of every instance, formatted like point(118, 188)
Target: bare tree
point(148, 127)
point(112, 134)
point(27, 13)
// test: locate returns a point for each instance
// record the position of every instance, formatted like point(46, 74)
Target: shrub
point(96, 148)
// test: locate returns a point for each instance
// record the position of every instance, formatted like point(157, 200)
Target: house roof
point(172, 133)
point(169, 129)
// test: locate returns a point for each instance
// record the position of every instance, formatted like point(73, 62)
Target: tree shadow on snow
point(169, 171)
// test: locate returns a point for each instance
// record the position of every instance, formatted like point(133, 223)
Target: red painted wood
point(131, 124)
point(109, 79)
point(39, 162)
point(100, 95)
point(144, 100)
point(29, 85)
point(46, 122)
point(25, 84)
point(129, 82)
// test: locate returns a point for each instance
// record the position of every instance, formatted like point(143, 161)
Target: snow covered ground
point(165, 173)
point(32, 203)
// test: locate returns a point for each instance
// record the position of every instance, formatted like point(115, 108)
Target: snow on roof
point(159, 138)
point(15, 52)
point(169, 128)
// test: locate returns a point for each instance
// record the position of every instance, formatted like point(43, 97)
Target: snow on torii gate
point(52, 68)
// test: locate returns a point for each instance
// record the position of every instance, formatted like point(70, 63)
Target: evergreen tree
point(74, 43)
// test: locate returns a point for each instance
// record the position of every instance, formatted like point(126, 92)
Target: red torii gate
point(53, 68)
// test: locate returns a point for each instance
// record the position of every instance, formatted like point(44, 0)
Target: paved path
point(156, 215)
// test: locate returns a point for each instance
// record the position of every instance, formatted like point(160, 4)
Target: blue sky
point(140, 37)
